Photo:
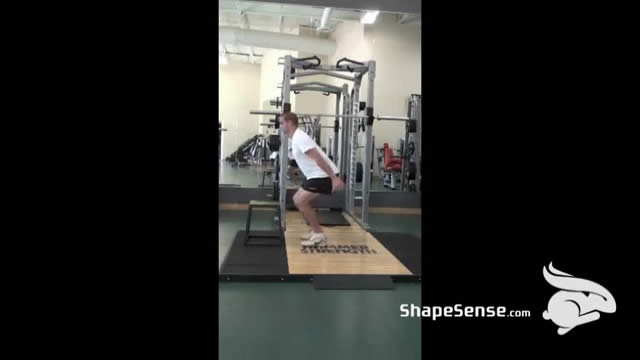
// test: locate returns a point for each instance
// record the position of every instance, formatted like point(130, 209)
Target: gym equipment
point(392, 166)
point(241, 155)
point(413, 137)
point(273, 142)
point(248, 234)
point(359, 171)
point(220, 131)
point(351, 110)
point(266, 172)
point(312, 127)
point(255, 150)
point(410, 150)
point(277, 102)
point(366, 117)
point(330, 152)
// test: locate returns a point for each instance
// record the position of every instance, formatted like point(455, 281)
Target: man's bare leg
point(302, 199)
point(295, 199)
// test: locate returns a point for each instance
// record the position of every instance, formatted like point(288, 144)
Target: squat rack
point(294, 67)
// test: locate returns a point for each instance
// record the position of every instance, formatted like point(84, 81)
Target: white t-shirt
point(301, 143)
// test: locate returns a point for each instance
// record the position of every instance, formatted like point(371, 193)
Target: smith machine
point(352, 119)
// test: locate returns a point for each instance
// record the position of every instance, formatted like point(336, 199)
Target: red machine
point(392, 167)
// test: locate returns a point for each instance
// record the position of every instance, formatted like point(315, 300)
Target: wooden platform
point(351, 250)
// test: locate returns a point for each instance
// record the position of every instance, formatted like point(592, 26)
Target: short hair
point(290, 116)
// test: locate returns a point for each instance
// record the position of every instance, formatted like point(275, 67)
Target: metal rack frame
point(294, 67)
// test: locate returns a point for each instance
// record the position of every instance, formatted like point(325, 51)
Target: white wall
point(396, 48)
point(313, 101)
point(270, 78)
point(238, 90)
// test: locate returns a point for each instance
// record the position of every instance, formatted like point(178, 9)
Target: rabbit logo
point(578, 302)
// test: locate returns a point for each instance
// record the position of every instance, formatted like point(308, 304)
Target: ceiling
point(284, 18)
point(397, 6)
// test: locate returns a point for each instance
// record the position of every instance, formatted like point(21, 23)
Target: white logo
point(578, 301)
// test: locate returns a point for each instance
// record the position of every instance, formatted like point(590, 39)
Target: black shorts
point(318, 185)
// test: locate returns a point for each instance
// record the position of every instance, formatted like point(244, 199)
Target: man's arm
point(322, 163)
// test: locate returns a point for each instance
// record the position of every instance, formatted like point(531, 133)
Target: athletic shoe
point(306, 236)
point(315, 240)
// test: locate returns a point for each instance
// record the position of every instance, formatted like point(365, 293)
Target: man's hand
point(336, 184)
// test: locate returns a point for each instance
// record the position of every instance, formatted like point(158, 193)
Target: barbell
point(377, 117)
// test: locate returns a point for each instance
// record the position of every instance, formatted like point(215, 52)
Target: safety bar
point(311, 89)
point(318, 83)
point(393, 118)
point(317, 86)
point(314, 88)
point(305, 64)
point(358, 69)
point(348, 60)
point(323, 72)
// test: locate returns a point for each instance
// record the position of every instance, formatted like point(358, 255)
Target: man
point(292, 171)
point(321, 173)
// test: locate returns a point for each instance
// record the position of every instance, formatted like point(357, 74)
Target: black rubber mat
point(255, 260)
point(332, 218)
point(353, 282)
point(265, 238)
point(406, 248)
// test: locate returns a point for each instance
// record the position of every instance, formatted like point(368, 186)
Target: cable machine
point(413, 127)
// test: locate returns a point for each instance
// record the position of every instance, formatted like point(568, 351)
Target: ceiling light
point(325, 18)
point(369, 17)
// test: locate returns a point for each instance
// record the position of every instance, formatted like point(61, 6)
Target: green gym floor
point(292, 320)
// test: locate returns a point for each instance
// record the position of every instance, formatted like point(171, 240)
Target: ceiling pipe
point(274, 40)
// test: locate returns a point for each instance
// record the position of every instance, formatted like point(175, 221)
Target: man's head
point(288, 121)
